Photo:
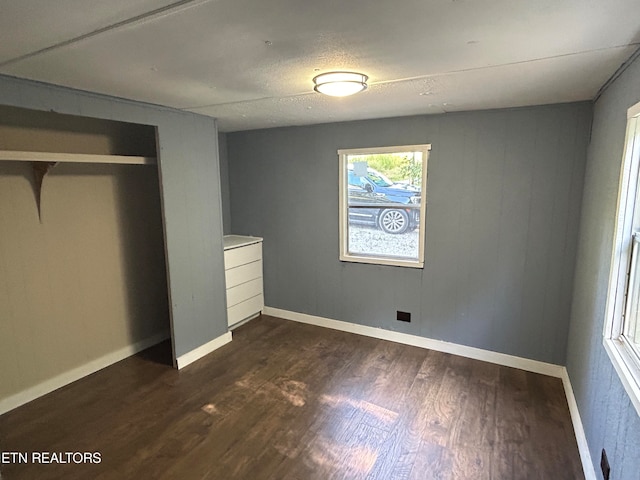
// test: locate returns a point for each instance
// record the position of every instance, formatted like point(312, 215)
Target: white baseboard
point(201, 351)
point(535, 366)
point(581, 438)
point(416, 341)
point(25, 396)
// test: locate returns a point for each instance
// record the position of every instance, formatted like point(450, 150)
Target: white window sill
point(381, 261)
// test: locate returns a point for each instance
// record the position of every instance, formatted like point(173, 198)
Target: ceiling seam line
point(161, 12)
point(508, 64)
point(421, 77)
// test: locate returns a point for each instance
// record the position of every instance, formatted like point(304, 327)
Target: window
point(622, 328)
point(383, 205)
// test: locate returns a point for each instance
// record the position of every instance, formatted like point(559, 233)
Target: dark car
point(376, 200)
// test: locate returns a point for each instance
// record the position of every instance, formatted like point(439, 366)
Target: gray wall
point(190, 194)
point(504, 192)
point(224, 180)
point(609, 419)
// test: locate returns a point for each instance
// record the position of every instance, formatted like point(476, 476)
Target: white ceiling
point(250, 62)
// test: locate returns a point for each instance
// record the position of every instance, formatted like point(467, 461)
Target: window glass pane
point(631, 323)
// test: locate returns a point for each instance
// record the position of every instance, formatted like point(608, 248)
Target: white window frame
point(624, 359)
point(345, 256)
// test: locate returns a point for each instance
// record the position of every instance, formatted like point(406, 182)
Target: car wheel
point(393, 221)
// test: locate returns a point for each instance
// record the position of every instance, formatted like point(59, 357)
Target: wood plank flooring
point(293, 401)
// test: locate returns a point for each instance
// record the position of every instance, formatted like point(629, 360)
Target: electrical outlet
point(604, 465)
point(403, 316)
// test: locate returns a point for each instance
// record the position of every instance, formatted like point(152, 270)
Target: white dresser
point(243, 274)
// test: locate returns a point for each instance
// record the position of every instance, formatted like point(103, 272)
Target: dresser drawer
point(243, 273)
point(244, 291)
point(245, 309)
point(242, 255)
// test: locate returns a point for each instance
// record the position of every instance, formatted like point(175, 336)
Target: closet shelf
point(55, 157)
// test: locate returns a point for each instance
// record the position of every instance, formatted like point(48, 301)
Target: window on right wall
point(622, 326)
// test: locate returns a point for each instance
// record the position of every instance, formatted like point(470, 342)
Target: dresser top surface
point(235, 241)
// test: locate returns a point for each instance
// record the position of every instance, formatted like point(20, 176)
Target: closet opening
point(82, 252)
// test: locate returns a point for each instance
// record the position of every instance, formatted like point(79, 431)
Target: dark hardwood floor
point(292, 401)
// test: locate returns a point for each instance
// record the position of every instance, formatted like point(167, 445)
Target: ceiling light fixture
point(340, 84)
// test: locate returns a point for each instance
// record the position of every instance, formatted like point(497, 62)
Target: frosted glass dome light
point(340, 84)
